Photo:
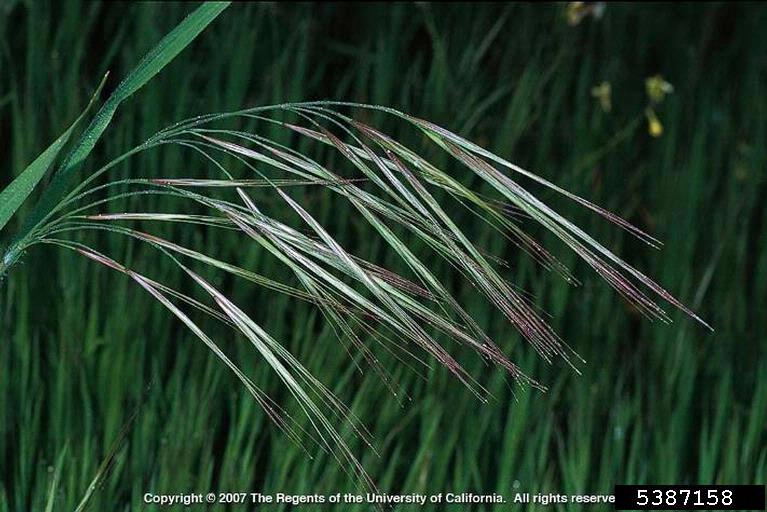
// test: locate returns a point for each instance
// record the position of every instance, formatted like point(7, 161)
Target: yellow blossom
point(654, 125)
point(603, 92)
point(657, 88)
point(576, 11)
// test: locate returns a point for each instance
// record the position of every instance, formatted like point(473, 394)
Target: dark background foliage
point(81, 348)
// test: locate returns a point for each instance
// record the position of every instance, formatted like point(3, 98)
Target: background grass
point(83, 348)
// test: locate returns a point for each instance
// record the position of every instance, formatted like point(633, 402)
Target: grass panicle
point(401, 195)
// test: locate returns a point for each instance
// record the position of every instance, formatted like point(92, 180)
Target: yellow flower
point(657, 88)
point(576, 11)
point(603, 92)
point(654, 125)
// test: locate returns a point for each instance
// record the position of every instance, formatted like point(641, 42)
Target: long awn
point(394, 189)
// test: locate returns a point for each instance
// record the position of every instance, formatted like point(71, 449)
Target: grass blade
point(152, 63)
point(20, 188)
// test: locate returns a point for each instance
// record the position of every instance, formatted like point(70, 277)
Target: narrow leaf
point(17, 192)
point(152, 63)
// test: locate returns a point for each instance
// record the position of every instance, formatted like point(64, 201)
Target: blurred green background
point(82, 348)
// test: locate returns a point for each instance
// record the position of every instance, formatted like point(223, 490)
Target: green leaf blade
point(152, 63)
point(20, 188)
